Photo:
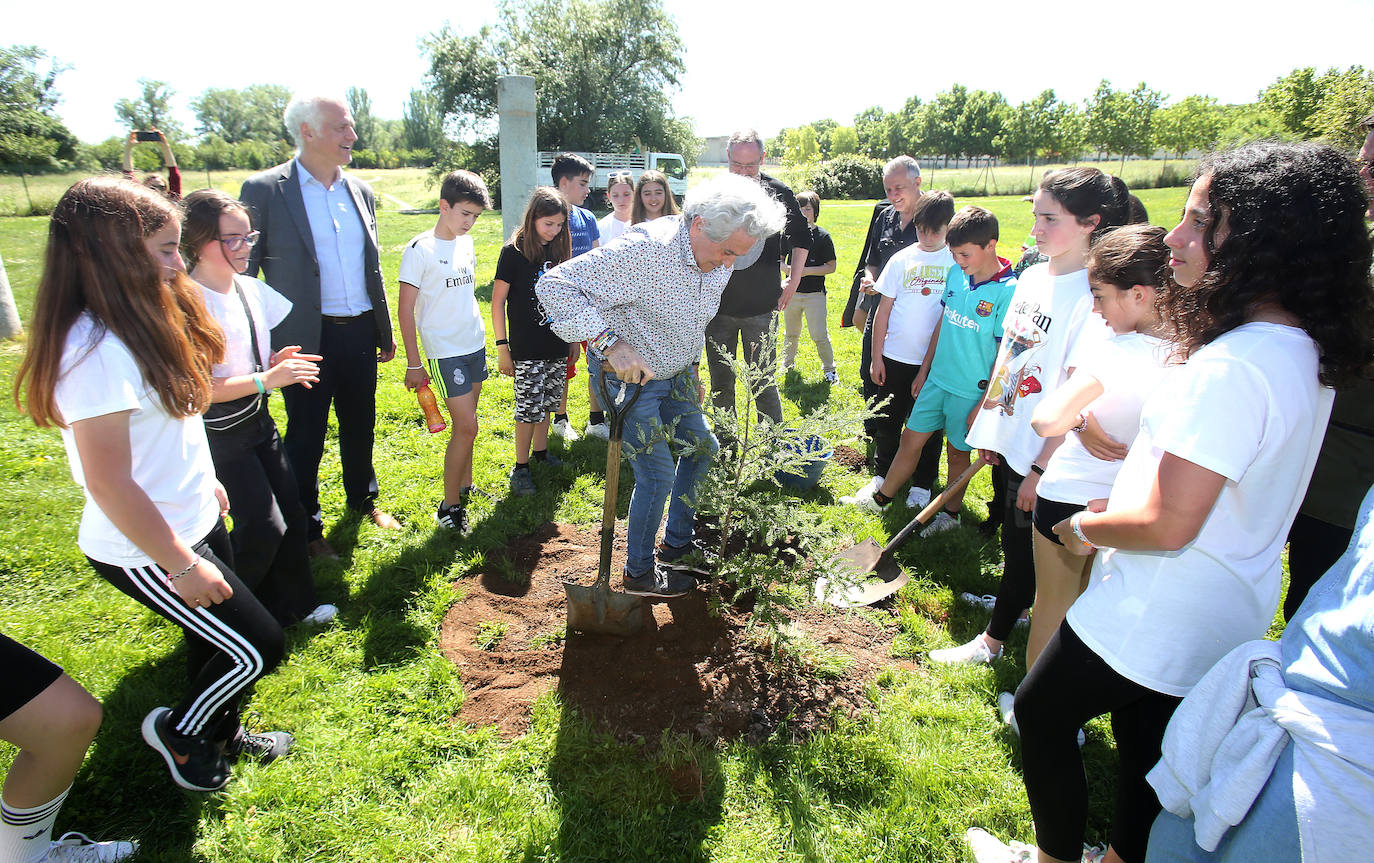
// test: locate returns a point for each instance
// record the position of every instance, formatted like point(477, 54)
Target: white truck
point(671, 164)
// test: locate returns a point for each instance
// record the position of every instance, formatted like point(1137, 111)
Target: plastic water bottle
point(430, 405)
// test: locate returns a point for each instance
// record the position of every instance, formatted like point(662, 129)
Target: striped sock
point(25, 834)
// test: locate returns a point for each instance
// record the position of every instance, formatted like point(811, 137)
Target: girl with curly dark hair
point(1272, 260)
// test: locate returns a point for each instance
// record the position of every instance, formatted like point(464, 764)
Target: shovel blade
point(597, 609)
point(878, 577)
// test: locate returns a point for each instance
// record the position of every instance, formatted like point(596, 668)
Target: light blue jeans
point(662, 469)
point(1269, 831)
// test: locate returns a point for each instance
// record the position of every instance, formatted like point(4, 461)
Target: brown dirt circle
point(686, 671)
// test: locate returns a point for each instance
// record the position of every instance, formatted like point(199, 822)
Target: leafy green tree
point(251, 114)
point(844, 140)
point(1120, 122)
point(603, 69)
point(364, 124)
point(879, 133)
point(980, 123)
point(1347, 98)
point(801, 146)
point(151, 110)
point(823, 130)
point(31, 136)
point(423, 123)
point(1193, 123)
point(1029, 129)
point(1294, 100)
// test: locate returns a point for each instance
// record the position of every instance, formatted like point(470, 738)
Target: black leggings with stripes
point(229, 645)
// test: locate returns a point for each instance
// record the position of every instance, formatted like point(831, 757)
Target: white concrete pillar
point(515, 101)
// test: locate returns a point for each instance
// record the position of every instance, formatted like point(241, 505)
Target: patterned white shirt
point(646, 287)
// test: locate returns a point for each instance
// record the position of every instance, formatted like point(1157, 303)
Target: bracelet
point(1037, 469)
point(1075, 523)
point(262, 390)
point(500, 342)
point(195, 559)
point(1082, 424)
point(603, 341)
point(414, 368)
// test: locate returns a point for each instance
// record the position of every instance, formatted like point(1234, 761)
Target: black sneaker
point(196, 762)
point(263, 748)
point(691, 558)
point(453, 517)
point(522, 483)
point(662, 582)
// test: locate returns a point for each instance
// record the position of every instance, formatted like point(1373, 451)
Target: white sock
point(25, 834)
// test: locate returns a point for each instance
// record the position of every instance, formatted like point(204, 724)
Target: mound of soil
point(686, 670)
point(850, 458)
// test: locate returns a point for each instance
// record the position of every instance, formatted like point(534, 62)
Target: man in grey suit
point(319, 249)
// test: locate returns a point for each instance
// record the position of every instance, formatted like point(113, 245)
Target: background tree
point(364, 124)
point(879, 133)
point(1294, 99)
point(423, 123)
point(31, 136)
point(843, 141)
point(151, 110)
point(1120, 122)
point(603, 69)
point(251, 114)
point(980, 123)
point(1192, 123)
point(1347, 98)
point(801, 146)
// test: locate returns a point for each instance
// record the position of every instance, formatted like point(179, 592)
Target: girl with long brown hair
point(120, 358)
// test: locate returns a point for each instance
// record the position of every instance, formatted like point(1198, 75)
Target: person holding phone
point(171, 187)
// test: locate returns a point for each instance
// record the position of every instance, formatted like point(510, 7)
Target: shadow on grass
point(808, 396)
point(620, 801)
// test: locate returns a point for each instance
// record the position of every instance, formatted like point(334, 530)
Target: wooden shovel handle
point(938, 501)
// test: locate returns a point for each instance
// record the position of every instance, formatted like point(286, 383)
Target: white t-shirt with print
point(1129, 367)
point(916, 282)
point(269, 309)
point(611, 227)
point(170, 457)
point(446, 312)
point(1050, 327)
point(1247, 406)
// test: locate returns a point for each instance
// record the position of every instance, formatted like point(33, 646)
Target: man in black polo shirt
point(756, 293)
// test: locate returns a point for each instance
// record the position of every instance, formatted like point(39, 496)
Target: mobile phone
point(148, 136)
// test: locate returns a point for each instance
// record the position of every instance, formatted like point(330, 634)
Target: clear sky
point(749, 64)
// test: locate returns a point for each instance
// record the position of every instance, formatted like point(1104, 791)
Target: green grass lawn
point(383, 772)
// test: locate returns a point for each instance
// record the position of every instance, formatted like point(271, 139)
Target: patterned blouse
point(646, 287)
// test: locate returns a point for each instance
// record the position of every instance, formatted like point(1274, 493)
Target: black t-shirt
point(755, 290)
point(526, 324)
point(822, 252)
point(887, 237)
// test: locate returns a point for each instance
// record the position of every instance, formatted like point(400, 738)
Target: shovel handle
point(616, 427)
point(938, 501)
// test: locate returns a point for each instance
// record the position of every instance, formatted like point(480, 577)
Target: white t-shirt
point(269, 309)
point(170, 457)
point(446, 312)
point(1049, 328)
point(1129, 367)
point(611, 227)
point(1247, 406)
point(916, 282)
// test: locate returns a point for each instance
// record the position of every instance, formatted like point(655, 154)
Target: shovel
point(869, 559)
point(597, 608)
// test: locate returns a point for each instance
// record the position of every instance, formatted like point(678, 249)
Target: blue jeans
point(1269, 831)
point(662, 470)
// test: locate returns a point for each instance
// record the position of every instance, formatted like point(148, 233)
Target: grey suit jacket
point(286, 254)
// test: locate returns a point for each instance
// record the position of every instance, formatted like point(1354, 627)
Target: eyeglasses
point(238, 241)
point(746, 166)
point(621, 176)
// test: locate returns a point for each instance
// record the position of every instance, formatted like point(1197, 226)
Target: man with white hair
point(642, 305)
point(318, 248)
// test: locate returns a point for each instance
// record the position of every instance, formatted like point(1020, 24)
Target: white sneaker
point(917, 498)
point(832, 377)
point(974, 652)
point(76, 847)
point(985, 602)
point(564, 429)
point(942, 522)
point(1006, 708)
point(323, 613)
point(863, 498)
point(987, 848)
point(598, 430)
